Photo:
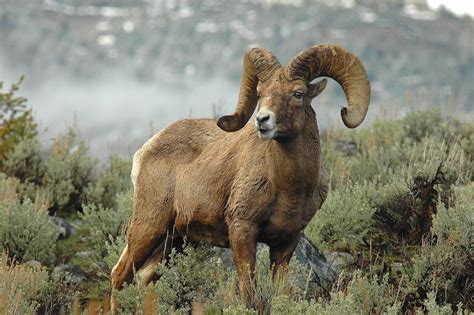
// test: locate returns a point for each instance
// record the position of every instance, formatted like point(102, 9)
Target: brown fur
point(195, 181)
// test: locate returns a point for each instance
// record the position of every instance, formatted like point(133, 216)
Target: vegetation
point(16, 121)
point(400, 205)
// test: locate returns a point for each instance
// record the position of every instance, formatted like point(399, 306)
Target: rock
point(346, 146)
point(66, 230)
point(339, 259)
point(33, 264)
point(308, 254)
point(84, 254)
point(72, 274)
point(227, 258)
point(76, 223)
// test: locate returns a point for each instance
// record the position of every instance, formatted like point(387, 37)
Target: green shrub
point(381, 151)
point(63, 172)
point(335, 166)
point(389, 146)
point(456, 219)
point(188, 277)
point(435, 157)
point(445, 266)
point(345, 219)
point(9, 187)
point(285, 304)
point(394, 195)
point(466, 141)
point(131, 298)
point(433, 308)
point(430, 123)
point(25, 162)
point(238, 309)
point(103, 225)
point(26, 231)
point(16, 121)
point(69, 170)
point(115, 179)
point(360, 296)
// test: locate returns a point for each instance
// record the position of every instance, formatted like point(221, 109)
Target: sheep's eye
point(298, 94)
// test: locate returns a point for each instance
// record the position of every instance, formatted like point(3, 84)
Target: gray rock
point(71, 273)
point(66, 230)
point(76, 223)
point(339, 259)
point(324, 274)
point(227, 258)
point(347, 147)
point(84, 254)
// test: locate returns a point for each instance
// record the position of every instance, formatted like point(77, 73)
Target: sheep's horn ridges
point(259, 65)
point(341, 65)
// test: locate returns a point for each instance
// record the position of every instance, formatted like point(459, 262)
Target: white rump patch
point(120, 259)
point(137, 163)
point(135, 167)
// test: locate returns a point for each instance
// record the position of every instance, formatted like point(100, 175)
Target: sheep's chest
point(291, 213)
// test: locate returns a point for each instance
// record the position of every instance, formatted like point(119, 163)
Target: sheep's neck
point(296, 161)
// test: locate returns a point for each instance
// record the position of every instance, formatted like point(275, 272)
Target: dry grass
point(20, 287)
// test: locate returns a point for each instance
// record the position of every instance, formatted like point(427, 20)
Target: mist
point(116, 114)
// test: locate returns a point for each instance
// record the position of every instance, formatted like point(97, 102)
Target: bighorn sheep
point(223, 184)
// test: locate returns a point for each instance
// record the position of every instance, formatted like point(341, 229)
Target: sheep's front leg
point(243, 241)
point(280, 255)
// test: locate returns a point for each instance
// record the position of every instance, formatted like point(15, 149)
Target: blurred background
point(122, 69)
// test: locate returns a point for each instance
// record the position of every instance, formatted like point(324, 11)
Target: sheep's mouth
point(266, 134)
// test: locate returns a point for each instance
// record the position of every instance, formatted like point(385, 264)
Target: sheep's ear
point(317, 88)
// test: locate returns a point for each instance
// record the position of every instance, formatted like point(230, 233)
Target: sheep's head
point(283, 92)
point(282, 106)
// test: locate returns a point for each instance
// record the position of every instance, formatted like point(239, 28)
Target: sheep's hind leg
point(142, 238)
point(147, 273)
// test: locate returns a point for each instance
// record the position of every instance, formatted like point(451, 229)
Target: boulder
point(84, 254)
point(71, 273)
point(66, 230)
point(338, 260)
point(347, 147)
point(324, 273)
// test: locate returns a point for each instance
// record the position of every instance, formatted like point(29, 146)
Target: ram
point(233, 184)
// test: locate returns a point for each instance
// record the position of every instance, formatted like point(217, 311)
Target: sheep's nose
point(263, 118)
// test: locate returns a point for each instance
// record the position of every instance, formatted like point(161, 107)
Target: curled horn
point(341, 65)
point(259, 65)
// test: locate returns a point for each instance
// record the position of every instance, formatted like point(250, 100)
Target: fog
point(117, 114)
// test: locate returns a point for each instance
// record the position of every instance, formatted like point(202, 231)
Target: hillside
point(408, 49)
